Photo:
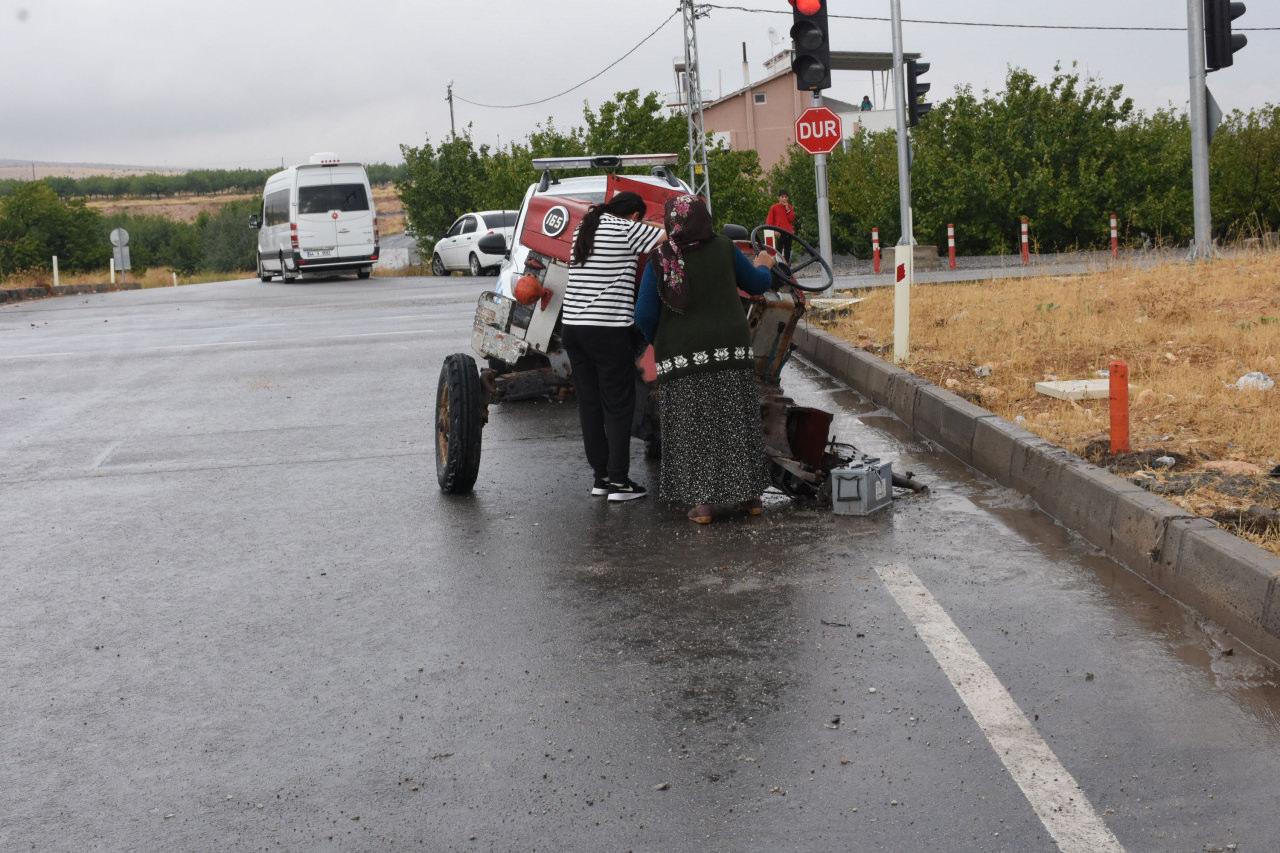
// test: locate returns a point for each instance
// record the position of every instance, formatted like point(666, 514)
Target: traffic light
point(811, 43)
point(916, 90)
point(1219, 42)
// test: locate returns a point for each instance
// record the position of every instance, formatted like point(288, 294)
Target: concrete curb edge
point(1218, 574)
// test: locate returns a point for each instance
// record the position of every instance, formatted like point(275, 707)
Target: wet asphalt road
point(238, 614)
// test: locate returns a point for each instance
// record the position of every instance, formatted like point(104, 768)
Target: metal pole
point(904, 266)
point(824, 205)
point(904, 144)
point(1202, 246)
point(453, 133)
point(699, 175)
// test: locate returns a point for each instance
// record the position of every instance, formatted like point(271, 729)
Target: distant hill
point(23, 169)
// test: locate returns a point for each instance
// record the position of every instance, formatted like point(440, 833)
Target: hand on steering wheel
point(784, 271)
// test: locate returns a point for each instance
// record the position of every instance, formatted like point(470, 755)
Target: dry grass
point(181, 208)
point(154, 277)
point(1187, 332)
point(185, 208)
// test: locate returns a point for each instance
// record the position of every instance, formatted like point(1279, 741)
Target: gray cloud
point(240, 82)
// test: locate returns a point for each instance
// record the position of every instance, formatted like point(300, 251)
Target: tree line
point(448, 178)
point(1065, 153)
point(194, 182)
point(35, 224)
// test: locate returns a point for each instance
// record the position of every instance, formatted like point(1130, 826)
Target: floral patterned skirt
point(712, 445)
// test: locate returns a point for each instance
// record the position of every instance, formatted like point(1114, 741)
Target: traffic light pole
point(1202, 247)
point(904, 254)
point(824, 204)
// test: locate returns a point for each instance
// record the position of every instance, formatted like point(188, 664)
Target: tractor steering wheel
point(783, 271)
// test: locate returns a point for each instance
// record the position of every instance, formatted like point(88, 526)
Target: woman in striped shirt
point(600, 339)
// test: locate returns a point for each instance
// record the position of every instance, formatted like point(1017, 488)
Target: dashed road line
point(1053, 793)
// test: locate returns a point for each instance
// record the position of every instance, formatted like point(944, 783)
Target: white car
point(457, 249)
point(317, 219)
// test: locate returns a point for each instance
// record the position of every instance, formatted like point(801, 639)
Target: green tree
point(35, 224)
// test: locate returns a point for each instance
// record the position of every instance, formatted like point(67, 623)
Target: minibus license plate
point(320, 253)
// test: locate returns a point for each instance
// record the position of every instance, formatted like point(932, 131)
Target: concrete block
point(1036, 466)
point(993, 443)
point(1085, 500)
point(947, 419)
point(862, 365)
point(1229, 580)
point(903, 389)
point(806, 337)
point(1138, 533)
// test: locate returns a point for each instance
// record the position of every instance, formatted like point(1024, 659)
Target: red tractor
point(518, 334)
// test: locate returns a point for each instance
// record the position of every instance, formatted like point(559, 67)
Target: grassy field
point(1187, 332)
point(185, 208)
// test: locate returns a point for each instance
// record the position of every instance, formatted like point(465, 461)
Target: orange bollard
point(1119, 373)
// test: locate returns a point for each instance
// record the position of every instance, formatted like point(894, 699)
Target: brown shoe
point(754, 506)
point(700, 514)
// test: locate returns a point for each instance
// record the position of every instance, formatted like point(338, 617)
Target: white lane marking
point(172, 347)
point(1052, 792)
point(104, 455)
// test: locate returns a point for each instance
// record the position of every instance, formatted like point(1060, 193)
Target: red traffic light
point(807, 7)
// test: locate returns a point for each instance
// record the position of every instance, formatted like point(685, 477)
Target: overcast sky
point(248, 82)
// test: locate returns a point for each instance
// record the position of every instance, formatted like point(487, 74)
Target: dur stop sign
point(818, 130)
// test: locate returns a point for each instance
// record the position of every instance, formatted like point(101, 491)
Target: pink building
point(762, 116)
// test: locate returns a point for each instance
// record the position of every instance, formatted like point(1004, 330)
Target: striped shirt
point(602, 292)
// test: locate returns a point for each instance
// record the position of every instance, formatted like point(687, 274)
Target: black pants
point(604, 379)
point(784, 246)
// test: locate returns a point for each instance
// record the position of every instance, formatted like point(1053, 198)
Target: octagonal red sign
point(818, 130)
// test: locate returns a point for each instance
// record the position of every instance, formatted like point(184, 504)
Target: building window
point(760, 98)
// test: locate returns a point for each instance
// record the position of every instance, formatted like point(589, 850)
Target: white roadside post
point(175, 279)
point(113, 270)
point(55, 270)
point(904, 272)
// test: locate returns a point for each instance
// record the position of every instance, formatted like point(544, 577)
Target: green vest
point(711, 333)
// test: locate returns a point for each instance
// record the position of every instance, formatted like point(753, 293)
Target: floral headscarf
point(688, 224)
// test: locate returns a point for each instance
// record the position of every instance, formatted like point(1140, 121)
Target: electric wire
point(576, 86)
point(988, 24)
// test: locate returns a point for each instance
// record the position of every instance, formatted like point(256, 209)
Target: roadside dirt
point(1188, 333)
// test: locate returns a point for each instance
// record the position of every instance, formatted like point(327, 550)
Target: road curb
point(25, 293)
point(1218, 574)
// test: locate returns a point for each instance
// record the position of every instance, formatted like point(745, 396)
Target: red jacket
point(782, 216)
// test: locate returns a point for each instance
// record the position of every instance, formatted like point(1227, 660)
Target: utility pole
point(1202, 245)
point(904, 254)
point(453, 133)
point(699, 175)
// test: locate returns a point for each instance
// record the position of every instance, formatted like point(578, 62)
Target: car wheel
point(363, 274)
point(460, 416)
point(263, 274)
point(474, 263)
point(437, 266)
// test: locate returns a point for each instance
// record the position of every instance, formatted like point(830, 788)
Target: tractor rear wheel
point(459, 423)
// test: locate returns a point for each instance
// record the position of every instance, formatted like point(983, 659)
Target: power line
point(991, 24)
point(636, 47)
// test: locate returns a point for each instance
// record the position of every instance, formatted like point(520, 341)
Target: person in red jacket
point(783, 215)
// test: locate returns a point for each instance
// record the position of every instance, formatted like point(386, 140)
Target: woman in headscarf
point(709, 405)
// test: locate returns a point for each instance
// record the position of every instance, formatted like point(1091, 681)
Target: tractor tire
point(459, 423)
